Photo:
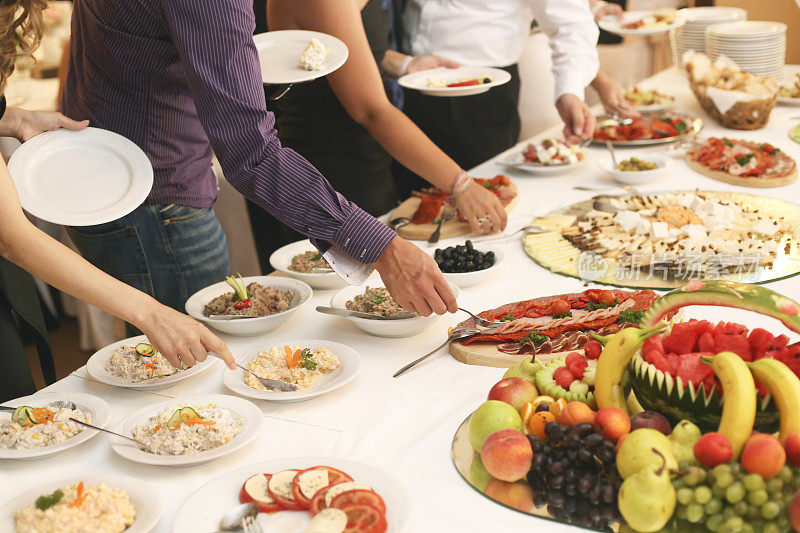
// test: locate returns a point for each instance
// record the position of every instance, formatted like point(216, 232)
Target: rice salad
point(78, 509)
point(188, 430)
point(127, 363)
point(299, 365)
point(49, 427)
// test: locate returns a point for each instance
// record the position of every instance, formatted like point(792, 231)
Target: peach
point(507, 455)
point(575, 413)
point(612, 423)
point(713, 449)
point(514, 391)
point(792, 446)
point(765, 457)
point(794, 511)
point(756, 436)
point(517, 495)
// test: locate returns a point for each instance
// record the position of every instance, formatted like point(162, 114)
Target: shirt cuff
point(572, 84)
point(363, 237)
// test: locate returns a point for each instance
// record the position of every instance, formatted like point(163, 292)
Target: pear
point(636, 452)
point(683, 437)
point(525, 369)
point(647, 498)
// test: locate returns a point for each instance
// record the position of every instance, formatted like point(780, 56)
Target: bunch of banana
point(784, 386)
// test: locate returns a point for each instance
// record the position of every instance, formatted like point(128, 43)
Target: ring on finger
point(484, 220)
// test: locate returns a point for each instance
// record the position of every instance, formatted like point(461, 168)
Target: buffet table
point(402, 425)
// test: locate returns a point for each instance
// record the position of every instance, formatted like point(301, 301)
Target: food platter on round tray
point(652, 128)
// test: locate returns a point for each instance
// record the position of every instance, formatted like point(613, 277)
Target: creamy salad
point(44, 427)
point(127, 363)
point(293, 364)
point(187, 430)
point(314, 55)
point(78, 509)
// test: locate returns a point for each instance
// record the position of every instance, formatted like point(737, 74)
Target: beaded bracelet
point(462, 182)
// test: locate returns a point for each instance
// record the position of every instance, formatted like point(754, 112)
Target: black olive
point(461, 250)
point(448, 265)
point(486, 80)
point(447, 253)
point(469, 245)
point(438, 255)
point(486, 264)
point(489, 256)
point(469, 266)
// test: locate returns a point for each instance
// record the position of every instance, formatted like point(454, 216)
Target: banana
point(618, 349)
point(739, 398)
point(784, 386)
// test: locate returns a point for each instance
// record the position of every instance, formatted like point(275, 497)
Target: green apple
point(525, 369)
point(478, 475)
point(491, 416)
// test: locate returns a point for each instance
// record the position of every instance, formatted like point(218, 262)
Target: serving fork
point(456, 334)
point(448, 213)
point(249, 525)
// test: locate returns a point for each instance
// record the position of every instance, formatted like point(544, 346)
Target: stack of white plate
point(692, 35)
point(757, 47)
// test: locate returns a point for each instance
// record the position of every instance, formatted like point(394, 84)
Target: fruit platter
point(682, 426)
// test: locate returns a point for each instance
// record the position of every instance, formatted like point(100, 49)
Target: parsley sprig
point(565, 314)
point(379, 299)
point(508, 318)
point(535, 337)
point(630, 315)
point(46, 501)
point(594, 306)
point(307, 362)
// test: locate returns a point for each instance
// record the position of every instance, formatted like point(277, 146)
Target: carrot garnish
point(291, 358)
point(80, 498)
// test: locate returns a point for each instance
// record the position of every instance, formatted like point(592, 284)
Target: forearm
point(395, 63)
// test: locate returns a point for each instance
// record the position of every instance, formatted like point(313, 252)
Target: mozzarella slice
point(347, 486)
point(256, 488)
point(281, 483)
point(328, 521)
point(313, 480)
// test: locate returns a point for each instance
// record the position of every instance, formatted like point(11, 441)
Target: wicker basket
point(749, 115)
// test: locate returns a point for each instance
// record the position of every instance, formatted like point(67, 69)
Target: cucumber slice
point(23, 415)
point(145, 350)
point(179, 415)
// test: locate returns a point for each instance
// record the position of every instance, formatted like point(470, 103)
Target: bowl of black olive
point(467, 264)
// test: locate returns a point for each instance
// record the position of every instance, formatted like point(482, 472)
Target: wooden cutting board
point(451, 228)
point(736, 180)
point(487, 354)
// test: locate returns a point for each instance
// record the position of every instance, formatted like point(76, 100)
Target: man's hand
point(429, 62)
point(602, 9)
point(579, 122)
point(478, 204)
point(612, 95)
point(414, 280)
point(24, 124)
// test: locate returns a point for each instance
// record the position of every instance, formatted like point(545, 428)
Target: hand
point(477, 203)
point(181, 339)
point(24, 124)
point(605, 9)
point(414, 280)
point(579, 122)
point(612, 95)
point(428, 62)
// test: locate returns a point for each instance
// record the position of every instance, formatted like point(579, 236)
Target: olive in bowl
point(463, 258)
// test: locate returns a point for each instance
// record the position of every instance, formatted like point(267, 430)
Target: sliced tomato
point(263, 507)
point(335, 476)
point(370, 497)
point(364, 518)
point(286, 503)
point(664, 129)
point(318, 501)
point(467, 83)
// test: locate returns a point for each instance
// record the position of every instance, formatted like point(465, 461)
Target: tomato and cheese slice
point(328, 521)
point(309, 481)
point(280, 488)
point(335, 490)
point(255, 490)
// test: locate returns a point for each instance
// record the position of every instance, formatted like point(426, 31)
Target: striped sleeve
point(214, 41)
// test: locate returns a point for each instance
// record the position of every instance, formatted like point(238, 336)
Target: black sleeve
point(2, 105)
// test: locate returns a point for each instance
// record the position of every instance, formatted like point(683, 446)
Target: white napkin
point(725, 99)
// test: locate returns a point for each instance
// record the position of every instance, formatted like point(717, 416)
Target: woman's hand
point(24, 124)
point(612, 95)
point(481, 209)
point(180, 338)
point(428, 62)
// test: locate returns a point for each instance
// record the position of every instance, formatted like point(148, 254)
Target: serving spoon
point(233, 518)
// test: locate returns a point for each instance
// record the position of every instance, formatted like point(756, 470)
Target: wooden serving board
point(736, 180)
point(451, 228)
point(487, 354)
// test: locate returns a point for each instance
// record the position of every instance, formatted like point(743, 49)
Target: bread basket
point(744, 115)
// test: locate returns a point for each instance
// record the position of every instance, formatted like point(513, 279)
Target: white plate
point(637, 177)
point(282, 258)
point(279, 55)
point(87, 403)
point(80, 178)
point(405, 327)
point(349, 367)
point(789, 101)
point(249, 326)
point(701, 16)
point(202, 510)
point(419, 80)
point(516, 160)
point(612, 24)
point(145, 500)
point(96, 366)
point(468, 279)
point(747, 30)
point(253, 420)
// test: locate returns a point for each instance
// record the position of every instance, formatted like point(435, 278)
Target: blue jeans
point(168, 251)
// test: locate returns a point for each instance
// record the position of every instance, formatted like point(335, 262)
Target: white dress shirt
point(492, 33)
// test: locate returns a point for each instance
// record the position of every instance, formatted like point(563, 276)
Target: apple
point(478, 475)
point(794, 511)
point(515, 391)
point(713, 449)
point(491, 416)
point(765, 457)
point(652, 420)
point(507, 455)
point(612, 423)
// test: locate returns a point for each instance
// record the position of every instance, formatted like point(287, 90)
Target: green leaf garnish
point(594, 306)
point(680, 126)
point(535, 337)
point(307, 362)
point(565, 314)
point(379, 299)
point(46, 501)
point(508, 318)
point(316, 257)
point(237, 283)
point(630, 315)
point(726, 142)
point(745, 159)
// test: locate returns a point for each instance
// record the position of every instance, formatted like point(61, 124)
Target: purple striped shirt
point(180, 78)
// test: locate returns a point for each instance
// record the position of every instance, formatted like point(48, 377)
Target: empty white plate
point(80, 178)
point(279, 55)
point(419, 80)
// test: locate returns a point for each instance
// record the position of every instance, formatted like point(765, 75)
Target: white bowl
point(468, 279)
point(633, 177)
point(282, 258)
point(249, 326)
point(405, 327)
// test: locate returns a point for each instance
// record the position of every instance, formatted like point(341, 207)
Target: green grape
point(770, 510)
point(679, 483)
point(685, 496)
point(783, 522)
point(702, 494)
point(771, 527)
point(758, 497)
point(753, 482)
point(729, 512)
point(737, 469)
point(752, 513)
point(714, 506)
point(734, 525)
point(785, 474)
point(741, 508)
point(683, 465)
point(747, 528)
point(717, 491)
point(714, 522)
point(694, 476)
point(694, 513)
point(774, 486)
point(724, 480)
point(721, 469)
point(735, 493)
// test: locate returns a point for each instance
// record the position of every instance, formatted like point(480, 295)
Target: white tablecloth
point(403, 425)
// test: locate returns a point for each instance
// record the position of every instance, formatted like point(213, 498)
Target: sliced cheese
point(281, 484)
point(347, 486)
point(256, 488)
point(313, 480)
point(328, 521)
